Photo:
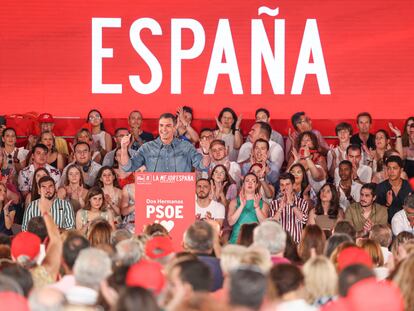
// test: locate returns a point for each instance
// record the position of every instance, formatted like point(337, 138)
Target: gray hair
point(129, 252)
point(199, 237)
point(120, 235)
point(231, 257)
point(91, 267)
point(7, 284)
point(47, 299)
point(409, 201)
point(270, 235)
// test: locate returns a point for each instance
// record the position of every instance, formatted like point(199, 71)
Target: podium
point(167, 199)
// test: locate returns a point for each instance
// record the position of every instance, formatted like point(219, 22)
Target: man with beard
point(365, 214)
point(48, 204)
point(393, 191)
point(206, 208)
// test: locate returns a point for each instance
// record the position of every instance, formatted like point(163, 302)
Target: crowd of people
point(280, 224)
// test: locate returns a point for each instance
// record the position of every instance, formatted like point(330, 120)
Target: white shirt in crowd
point(400, 223)
point(276, 153)
point(364, 173)
point(216, 209)
point(355, 194)
point(340, 154)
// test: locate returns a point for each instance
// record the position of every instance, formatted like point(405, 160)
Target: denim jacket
point(179, 156)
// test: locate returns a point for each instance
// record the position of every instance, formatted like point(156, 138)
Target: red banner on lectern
point(330, 58)
point(167, 199)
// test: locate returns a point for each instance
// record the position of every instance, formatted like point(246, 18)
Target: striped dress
point(61, 212)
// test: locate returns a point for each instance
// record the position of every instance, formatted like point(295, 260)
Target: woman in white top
point(228, 130)
point(307, 154)
point(101, 138)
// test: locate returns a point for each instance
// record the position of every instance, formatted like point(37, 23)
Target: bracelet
point(398, 136)
point(237, 130)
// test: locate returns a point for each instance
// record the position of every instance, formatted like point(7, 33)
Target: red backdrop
point(46, 57)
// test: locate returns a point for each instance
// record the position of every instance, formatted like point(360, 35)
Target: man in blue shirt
point(164, 154)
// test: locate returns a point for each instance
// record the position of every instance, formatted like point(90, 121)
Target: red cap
point(27, 244)
point(352, 256)
point(45, 118)
point(146, 274)
point(369, 294)
point(159, 246)
point(13, 301)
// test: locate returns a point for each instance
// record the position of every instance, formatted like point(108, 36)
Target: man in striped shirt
point(60, 210)
point(289, 210)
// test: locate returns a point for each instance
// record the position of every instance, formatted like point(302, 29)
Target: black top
point(3, 228)
point(145, 137)
point(355, 140)
point(397, 202)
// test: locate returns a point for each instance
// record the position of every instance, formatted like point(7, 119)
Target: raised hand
point(257, 198)
point(395, 130)
point(239, 119)
point(219, 125)
point(290, 136)
point(125, 141)
point(295, 154)
point(389, 197)
point(6, 207)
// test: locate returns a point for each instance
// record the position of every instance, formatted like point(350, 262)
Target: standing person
point(366, 213)
point(47, 124)
point(106, 180)
point(7, 212)
point(39, 155)
point(16, 157)
point(206, 208)
point(73, 190)
point(327, 210)
point(248, 207)
point(263, 115)
point(228, 129)
point(165, 154)
point(348, 189)
point(82, 158)
point(393, 191)
point(364, 137)
point(138, 136)
point(344, 132)
point(54, 158)
point(102, 139)
point(289, 210)
point(360, 173)
point(94, 209)
point(61, 211)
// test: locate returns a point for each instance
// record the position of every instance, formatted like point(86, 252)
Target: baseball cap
point(147, 274)
point(159, 246)
point(45, 118)
point(25, 244)
point(353, 255)
point(13, 301)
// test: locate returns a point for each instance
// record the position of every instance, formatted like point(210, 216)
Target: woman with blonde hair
point(99, 233)
point(321, 280)
point(374, 251)
point(404, 279)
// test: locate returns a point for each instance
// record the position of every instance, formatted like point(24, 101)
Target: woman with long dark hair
point(101, 138)
point(327, 210)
